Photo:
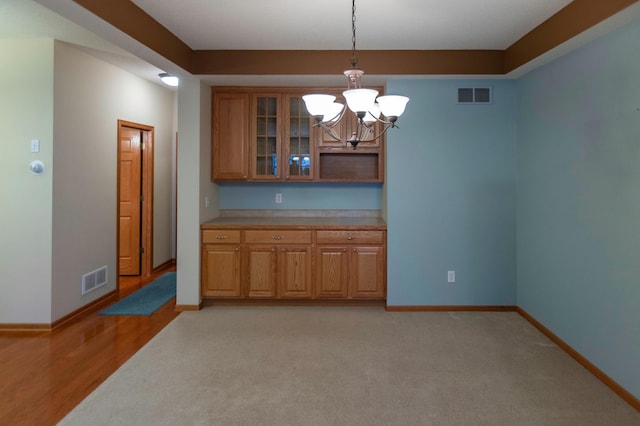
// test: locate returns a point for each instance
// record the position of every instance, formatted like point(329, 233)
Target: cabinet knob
point(349, 237)
point(244, 177)
point(237, 249)
point(287, 177)
point(344, 250)
point(273, 249)
point(355, 250)
point(283, 250)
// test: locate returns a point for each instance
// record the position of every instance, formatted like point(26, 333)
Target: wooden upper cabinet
point(230, 135)
point(267, 134)
point(298, 148)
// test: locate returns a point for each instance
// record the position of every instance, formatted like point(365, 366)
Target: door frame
point(146, 223)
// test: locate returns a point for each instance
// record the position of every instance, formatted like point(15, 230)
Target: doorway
point(135, 199)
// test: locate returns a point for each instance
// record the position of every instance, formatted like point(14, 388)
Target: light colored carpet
point(351, 366)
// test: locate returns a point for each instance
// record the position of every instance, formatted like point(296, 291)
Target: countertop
point(296, 219)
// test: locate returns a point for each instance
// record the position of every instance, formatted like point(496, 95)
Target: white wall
point(26, 112)
point(194, 183)
point(89, 98)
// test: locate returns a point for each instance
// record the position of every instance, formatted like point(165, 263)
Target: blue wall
point(300, 196)
point(579, 201)
point(451, 196)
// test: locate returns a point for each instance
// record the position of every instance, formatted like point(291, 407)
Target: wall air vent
point(474, 95)
point(94, 279)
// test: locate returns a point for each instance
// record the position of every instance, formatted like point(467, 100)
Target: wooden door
point(221, 271)
point(294, 271)
point(367, 272)
point(332, 272)
point(130, 201)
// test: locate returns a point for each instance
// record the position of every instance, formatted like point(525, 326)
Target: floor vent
point(94, 279)
point(474, 95)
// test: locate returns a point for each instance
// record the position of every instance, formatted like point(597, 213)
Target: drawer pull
point(277, 237)
point(221, 237)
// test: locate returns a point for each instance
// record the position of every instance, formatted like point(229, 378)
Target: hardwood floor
point(43, 375)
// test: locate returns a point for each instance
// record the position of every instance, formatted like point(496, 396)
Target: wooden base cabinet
point(354, 269)
point(221, 260)
point(350, 272)
point(293, 264)
point(279, 263)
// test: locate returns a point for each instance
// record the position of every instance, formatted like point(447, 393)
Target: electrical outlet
point(35, 145)
point(207, 203)
point(451, 276)
point(278, 197)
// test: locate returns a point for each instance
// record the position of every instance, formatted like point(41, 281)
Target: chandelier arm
point(331, 132)
point(335, 121)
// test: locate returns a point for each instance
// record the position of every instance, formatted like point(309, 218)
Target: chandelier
point(364, 103)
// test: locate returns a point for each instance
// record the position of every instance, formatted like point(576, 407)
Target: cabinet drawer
point(350, 237)
point(220, 236)
point(276, 236)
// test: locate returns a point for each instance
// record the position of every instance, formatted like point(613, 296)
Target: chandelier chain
point(354, 58)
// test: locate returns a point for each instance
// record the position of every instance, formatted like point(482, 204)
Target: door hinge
point(141, 250)
point(141, 198)
point(142, 146)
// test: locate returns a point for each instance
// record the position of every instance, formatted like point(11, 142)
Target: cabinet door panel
point(266, 114)
point(295, 271)
point(350, 237)
point(230, 136)
point(278, 236)
point(261, 276)
point(332, 272)
point(367, 272)
point(220, 236)
point(221, 271)
point(298, 155)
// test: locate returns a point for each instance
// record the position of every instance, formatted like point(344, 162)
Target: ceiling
point(204, 25)
point(326, 24)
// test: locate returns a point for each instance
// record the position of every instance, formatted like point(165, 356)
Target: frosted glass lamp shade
point(318, 105)
point(360, 100)
point(332, 114)
point(373, 114)
point(392, 105)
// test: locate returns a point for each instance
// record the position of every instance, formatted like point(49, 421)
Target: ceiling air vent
point(474, 95)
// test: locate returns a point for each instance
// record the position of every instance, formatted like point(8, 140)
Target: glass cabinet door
point(298, 154)
point(266, 143)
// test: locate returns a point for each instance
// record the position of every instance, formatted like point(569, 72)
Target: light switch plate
point(35, 145)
